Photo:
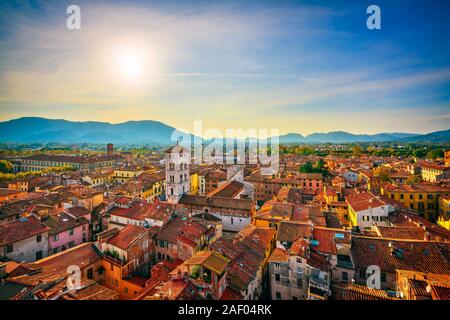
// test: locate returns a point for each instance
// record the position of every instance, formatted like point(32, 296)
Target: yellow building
point(137, 189)
point(117, 278)
point(423, 198)
point(444, 212)
point(195, 182)
point(159, 189)
point(272, 213)
point(444, 205)
point(124, 174)
point(444, 222)
point(431, 172)
point(153, 185)
point(99, 178)
point(21, 185)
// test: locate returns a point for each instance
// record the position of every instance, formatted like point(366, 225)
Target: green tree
point(307, 168)
point(320, 164)
point(383, 174)
point(419, 153)
point(319, 167)
point(436, 153)
point(357, 151)
point(413, 179)
point(6, 166)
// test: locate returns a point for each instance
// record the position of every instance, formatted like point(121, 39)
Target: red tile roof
point(55, 266)
point(347, 291)
point(21, 229)
point(391, 255)
point(231, 294)
point(326, 239)
point(363, 201)
point(408, 233)
point(229, 189)
point(415, 188)
point(279, 255)
point(127, 236)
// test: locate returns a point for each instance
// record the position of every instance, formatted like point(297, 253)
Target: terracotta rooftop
point(279, 255)
point(5, 191)
point(216, 175)
point(289, 231)
point(349, 291)
point(169, 232)
point(209, 259)
point(138, 211)
point(62, 222)
point(78, 211)
point(217, 202)
point(363, 201)
point(23, 228)
point(327, 240)
point(415, 188)
point(290, 195)
point(391, 255)
point(408, 233)
point(231, 294)
point(229, 189)
point(54, 267)
point(91, 291)
point(257, 239)
point(127, 236)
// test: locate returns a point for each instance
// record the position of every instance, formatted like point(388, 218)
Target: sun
point(130, 63)
point(133, 64)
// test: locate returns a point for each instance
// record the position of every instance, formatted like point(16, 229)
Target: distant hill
point(42, 130)
point(28, 130)
point(438, 136)
point(292, 138)
point(343, 137)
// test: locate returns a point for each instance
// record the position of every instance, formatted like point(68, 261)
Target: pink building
point(66, 232)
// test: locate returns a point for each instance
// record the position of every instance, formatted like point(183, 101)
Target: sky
point(295, 66)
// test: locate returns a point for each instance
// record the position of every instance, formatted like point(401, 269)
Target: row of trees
point(318, 167)
point(6, 166)
point(380, 150)
point(27, 174)
point(384, 174)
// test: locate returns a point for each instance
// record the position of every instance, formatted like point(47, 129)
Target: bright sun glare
point(130, 63)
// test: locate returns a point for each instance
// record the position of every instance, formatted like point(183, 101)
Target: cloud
point(219, 63)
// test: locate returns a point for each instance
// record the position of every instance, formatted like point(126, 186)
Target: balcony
point(319, 279)
point(344, 262)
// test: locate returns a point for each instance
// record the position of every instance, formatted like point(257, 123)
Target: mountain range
point(43, 130)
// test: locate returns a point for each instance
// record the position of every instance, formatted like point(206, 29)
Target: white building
point(24, 240)
point(178, 179)
point(351, 176)
point(366, 210)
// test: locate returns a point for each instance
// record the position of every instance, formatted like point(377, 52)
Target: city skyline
point(301, 67)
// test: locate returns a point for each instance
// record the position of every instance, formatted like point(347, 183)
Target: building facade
point(177, 161)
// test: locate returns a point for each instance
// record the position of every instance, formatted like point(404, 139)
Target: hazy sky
point(299, 66)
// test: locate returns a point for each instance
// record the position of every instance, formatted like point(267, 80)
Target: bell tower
point(178, 179)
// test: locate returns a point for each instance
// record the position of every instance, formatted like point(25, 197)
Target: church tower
point(178, 180)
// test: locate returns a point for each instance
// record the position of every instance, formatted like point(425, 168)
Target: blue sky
point(298, 66)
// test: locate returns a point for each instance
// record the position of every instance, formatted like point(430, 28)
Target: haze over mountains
point(42, 130)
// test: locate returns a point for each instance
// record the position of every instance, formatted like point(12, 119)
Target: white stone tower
point(178, 180)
